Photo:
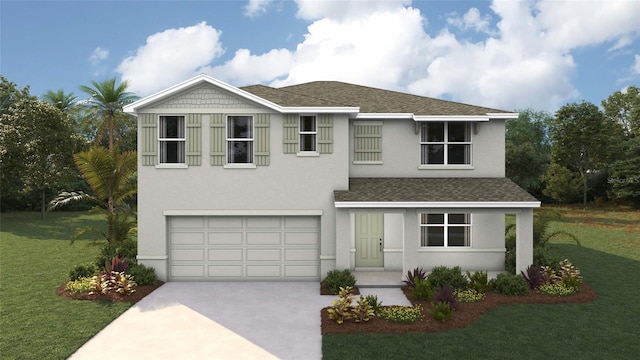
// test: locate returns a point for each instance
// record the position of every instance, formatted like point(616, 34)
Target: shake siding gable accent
point(194, 140)
point(367, 143)
point(290, 136)
point(325, 133)
point(261, 139)
point(149, 138)
point(218, 140)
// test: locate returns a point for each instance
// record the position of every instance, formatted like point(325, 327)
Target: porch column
point(524, 239)
point(411, 241)
point(342, 239)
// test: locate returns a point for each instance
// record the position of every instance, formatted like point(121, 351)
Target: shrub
point(362, 311)
point(541, 257)
point(337, 279)
point(556, 289)
point(116, 265)
point(82, 271)
point(441, 312)
point(417, 274)
point(375, 304)
point(567, 270)
point(117, 282)
point(510, 284)
point(340, 309)
point(572, 282)
point(125, 250)
point(446, 294)
point(470, 295)
point(533, 276)
point(479, 281)
point(442, 276)
point(143, 275)
point(422, 290)
point(401, 314)
point(81, 285)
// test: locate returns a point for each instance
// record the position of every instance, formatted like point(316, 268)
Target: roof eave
point(438, 204)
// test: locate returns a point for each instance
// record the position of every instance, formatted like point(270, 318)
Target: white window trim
point(249, 165)
point(179, 165)
point(300, 133)
point(446, 226)
point(446, 165)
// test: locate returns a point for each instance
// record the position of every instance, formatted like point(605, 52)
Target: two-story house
point(288, 183)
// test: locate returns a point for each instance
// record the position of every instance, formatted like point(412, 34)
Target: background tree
point(624, 108)
point(624, 176)
point(581, 135)
point(60, 100)
point(111, 174)
point(104, 117)
point(562, 184)
point(37, 142)
point(527, 149)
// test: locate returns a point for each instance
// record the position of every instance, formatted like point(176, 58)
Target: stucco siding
point(401, 152)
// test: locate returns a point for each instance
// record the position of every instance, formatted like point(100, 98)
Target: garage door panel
point(258, 271)
point(187, 254)
point(264, 255)
point(263, 238)
point(264, 222)
point(225, 271)
point(231, 238)
point(300, 255)
point(225, 222)
point(187, 238)
point(244, 248)
point(187, 271)
point(297, 238)
point(225, 254)
point(301, 271)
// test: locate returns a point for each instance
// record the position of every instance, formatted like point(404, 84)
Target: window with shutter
point(367, 142)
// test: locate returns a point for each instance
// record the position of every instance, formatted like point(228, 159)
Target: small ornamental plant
point(470, 295)
point(413, 277)
point(402, 314)
point(362, 311)
point(556, 289)
point(340, 309)
point(441, 311)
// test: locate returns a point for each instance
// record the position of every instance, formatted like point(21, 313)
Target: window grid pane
point(240, 140)
point(445, 143)
point(308, 133)
point(171, 138)
point(445, 230)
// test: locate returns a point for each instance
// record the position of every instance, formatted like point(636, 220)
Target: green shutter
point(367, 143)
point(149, 137)
point(194, 139)
point(290, 136)
point(325, 133)
point(261, 139)
point(218, 139)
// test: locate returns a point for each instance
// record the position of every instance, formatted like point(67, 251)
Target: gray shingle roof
point(433, 190)
point(369, 99)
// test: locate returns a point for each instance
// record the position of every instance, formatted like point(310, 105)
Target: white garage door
point(244, 248)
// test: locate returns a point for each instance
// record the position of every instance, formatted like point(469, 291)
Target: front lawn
point(605, 328)
point(35, 258)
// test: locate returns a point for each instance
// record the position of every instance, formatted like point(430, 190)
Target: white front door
point(369, 240)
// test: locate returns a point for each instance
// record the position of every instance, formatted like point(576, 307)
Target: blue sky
point(504, 54)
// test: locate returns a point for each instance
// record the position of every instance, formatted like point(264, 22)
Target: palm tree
point(105, 107)
point(60, 100)
point(111, 174)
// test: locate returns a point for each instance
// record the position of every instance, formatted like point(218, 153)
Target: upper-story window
point(444, 230)
point(445, 143)
point(240, 139)
point(171, 138)
point(308, 133)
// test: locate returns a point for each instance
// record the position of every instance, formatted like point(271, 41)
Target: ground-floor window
point(445, 230)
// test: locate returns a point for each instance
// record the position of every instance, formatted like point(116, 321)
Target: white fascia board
point(451, 118)
point(242, 212)
point(370, 116)
point(202, 78)
point(503, 115)
point(438, 205)
point(319, 109)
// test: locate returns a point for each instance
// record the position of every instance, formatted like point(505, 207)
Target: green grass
point(35, 258)
point(607, 328)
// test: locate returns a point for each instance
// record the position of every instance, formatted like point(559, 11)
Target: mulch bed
point(466, 313)
point(141, 292)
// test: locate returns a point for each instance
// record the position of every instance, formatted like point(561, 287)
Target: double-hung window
point(240, 139)
point(445, 143)
point(445, 230)
point(308, 133)
point(171, 138)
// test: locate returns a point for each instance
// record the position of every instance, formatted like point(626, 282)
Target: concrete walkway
point(222, 320)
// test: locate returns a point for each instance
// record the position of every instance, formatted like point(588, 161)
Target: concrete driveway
point(222, 320)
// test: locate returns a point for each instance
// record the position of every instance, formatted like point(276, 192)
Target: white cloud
point(98, 55)
point(343, 9)
point(472, 20)
point(256, 7)
point(636, 66)
point(171, 56)
point(247, 69)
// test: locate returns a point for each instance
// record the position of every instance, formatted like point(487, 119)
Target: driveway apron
point(221, 320)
